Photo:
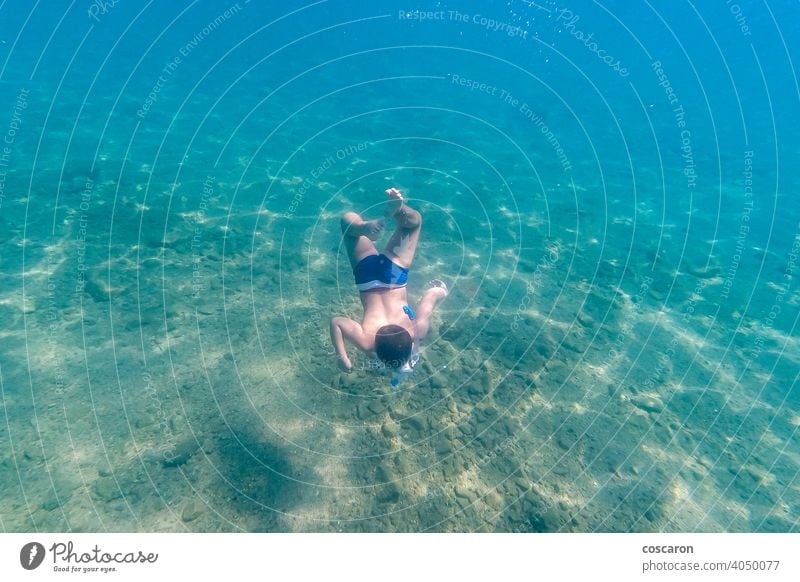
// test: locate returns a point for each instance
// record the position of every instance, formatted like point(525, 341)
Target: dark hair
point(393, 345)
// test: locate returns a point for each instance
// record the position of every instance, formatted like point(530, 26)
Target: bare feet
point(372, 229)
point(394, 202)
point(439, 287)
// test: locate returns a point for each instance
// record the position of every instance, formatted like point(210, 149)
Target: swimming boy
point(390, 328)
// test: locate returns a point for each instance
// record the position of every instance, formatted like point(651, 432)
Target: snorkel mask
point(408, 367)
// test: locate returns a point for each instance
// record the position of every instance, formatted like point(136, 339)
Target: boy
point(389, 327)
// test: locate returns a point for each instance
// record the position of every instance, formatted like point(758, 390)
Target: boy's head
point(393, 345)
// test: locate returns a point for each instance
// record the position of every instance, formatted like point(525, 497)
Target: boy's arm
point(345, 328)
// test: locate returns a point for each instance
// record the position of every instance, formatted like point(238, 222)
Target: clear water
point(616, 216)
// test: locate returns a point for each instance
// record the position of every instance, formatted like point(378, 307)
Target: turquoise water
point(610, 191)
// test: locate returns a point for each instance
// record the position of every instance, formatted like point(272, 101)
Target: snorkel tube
point(408, 367)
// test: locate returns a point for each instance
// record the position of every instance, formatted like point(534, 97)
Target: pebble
point(106, 489)
point(403, 465)
point(490, 412)
point(390, 429)
point(443, 445)
point(192, 511)
point(566, 438)
point(415, 423)
point(647, 403)
point(377, 407)
point(30, 455)
point(181, 453)
point(53, 503)
point(703, 272)
point(384, 474)
point(464, 493)
point(452, 333)
point(390, 493)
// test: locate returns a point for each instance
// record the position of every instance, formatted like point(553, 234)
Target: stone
point(415, 423)
point(377, 407)
point(52, 503)
point(403, 466)
point(464, 493)
point(451, 333)
point(106, 489)
point(390, 493)
point(192, 510)
point(480, 389)
point(442, 445)
point(437, 382)
point(390, 429)
point(180, 453)
point(32, 455)
point(648, 403)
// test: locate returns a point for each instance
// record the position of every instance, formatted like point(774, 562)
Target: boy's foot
point(395, 201)
point(371, 229)
point(438, 284)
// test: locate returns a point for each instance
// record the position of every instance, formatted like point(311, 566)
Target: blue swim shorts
point(379, 272)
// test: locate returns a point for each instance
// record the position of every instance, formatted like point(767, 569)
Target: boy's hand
point(345, 365)
point(341, 328)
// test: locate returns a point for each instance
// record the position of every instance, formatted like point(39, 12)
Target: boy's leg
point(358, 236)
point(403, 244)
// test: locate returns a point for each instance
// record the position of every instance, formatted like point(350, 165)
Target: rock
point(488, 438)
point(106, 489)
point(31, 455)
point(95, 291)
point(540, 516)
point(403, 466)
point(648, 403)
point(104, 471)
point(389, 489)
point(465, 493)
point(443, 446)
point(415, 423)
point(560, 469)
point(141, 421)
point(437, 382)
point(180, 453)
point(566, 438)
point(480, 389)
point(390, 429)
point(52, 503)
point(452, 333)
point(377, 407)
point(384, 474)
point(702, 272)
point(390, 493)
point(192, 510)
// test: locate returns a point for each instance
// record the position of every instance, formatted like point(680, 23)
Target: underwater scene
point(606, 268)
